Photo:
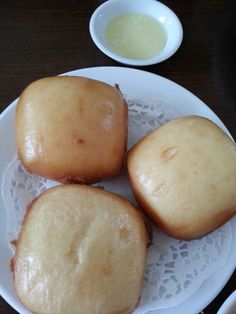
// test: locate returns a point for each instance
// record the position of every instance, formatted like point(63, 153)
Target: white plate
point(140, 85)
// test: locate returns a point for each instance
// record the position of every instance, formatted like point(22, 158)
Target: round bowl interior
point(103, 15)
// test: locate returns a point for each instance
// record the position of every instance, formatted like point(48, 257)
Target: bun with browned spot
point(71, 129)
point(184, 176)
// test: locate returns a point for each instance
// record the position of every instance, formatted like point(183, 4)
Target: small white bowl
point(229, 306)
point(106, 12)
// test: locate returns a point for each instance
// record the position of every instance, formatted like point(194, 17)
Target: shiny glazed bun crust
point(183, 174)
point(80, 250)
point(71, 129)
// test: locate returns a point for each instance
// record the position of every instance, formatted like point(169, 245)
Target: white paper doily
point(175, 269)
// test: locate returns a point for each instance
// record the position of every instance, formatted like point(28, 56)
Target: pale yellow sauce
point(136, 36)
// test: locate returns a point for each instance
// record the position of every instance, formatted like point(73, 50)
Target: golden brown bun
point(81, 250)
point(71, 129)
point(184, 176)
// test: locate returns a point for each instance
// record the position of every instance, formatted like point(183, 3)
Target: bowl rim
point(226, 307)
point(129, 61)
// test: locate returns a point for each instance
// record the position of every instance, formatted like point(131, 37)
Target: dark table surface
point(45, 38)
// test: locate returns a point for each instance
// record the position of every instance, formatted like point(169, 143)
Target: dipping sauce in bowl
point(136, 32)
point(136, 36)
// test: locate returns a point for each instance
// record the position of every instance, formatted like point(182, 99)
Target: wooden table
point(44, 38)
